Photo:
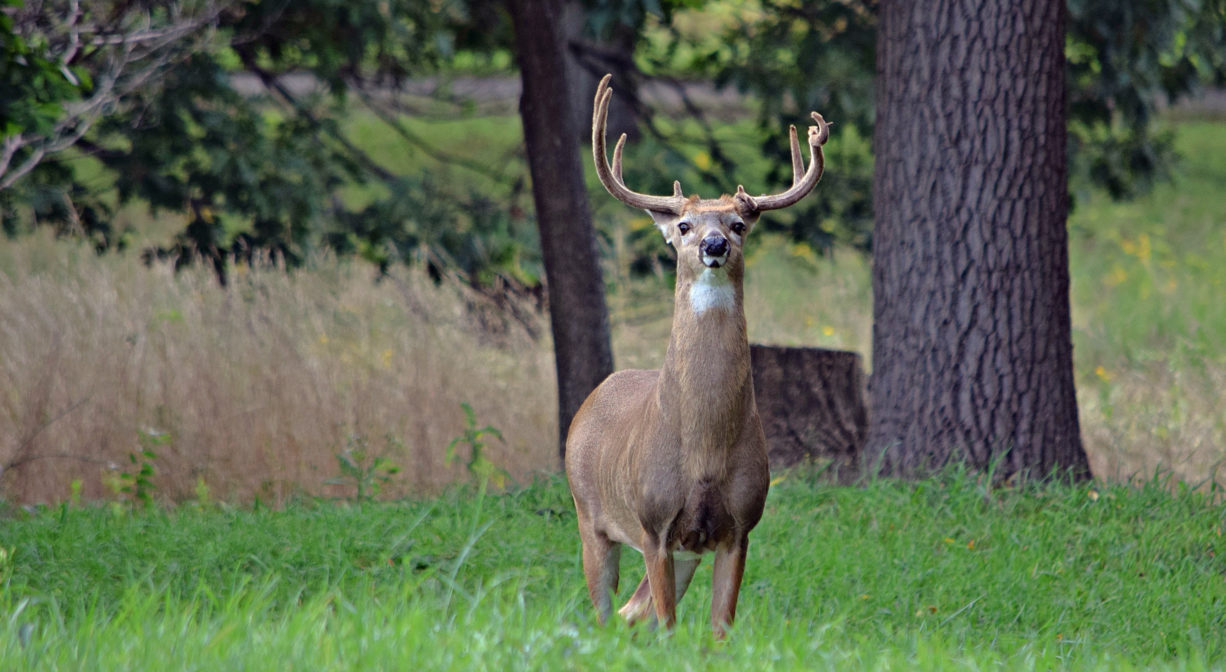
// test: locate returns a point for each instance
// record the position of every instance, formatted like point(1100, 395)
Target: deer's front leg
point(660, 574)
point(726, 583)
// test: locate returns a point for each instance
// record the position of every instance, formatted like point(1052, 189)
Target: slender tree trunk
point(972, 351)
point(577, 310)
point(589, 58)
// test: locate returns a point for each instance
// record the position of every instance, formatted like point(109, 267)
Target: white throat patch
point(712, 289)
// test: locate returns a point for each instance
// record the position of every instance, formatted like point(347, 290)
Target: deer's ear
point(666, 222)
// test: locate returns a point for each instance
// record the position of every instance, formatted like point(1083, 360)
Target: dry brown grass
point(256, 387)
point(1151, 420)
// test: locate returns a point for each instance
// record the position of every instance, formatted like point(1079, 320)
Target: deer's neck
point(709, 340)
point(705, 384)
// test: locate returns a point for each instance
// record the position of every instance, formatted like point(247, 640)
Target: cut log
point(812, 402)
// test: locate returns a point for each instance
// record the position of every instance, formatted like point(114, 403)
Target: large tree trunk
point(972, 351)
point(577, 308)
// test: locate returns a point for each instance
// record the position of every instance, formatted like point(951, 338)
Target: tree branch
point(419, 142)
point(270, 82)
point(125, 57)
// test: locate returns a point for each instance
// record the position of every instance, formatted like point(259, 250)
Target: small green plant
point(138, 484)
point(478, 466)
point(367, 473)
point(6, 565)
point(203, 498)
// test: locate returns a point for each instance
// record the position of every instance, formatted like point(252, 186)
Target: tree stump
point(812, 402)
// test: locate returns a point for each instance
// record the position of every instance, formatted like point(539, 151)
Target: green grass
point(1149, 272)
point(939, 574)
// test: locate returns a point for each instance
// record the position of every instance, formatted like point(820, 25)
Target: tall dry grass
point(251, 390)
point(254, 389)
point(1155, 419)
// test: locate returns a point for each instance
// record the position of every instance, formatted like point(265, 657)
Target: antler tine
point(798, 162)
point(617, 159)
point(611, 178)
point(801, 185)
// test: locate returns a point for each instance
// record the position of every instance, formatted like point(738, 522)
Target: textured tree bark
point(972, 350)
point(578, 315)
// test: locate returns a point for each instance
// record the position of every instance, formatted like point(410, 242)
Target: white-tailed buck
point(673, 461)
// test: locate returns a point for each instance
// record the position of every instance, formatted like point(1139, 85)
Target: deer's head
point(707, 233)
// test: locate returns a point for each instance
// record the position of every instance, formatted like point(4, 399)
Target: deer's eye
point(684, 228)
point(738, 228)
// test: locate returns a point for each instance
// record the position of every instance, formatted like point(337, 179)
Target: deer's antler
point(801, 184)
point(611, 178)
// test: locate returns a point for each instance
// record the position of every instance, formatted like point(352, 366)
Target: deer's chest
point(704, 520)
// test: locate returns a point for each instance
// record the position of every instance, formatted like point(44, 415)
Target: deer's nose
point(714, 246)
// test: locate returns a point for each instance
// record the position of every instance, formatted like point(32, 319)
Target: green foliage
point(252, 181)
point(334, 39)
point(481, 240)
point(1124, 58)
point(34, 90)
point(757, 52)
point(279, 171)
point(366, 472)
point(477, 464)
point(138, 484)
point(605, 17)
point(946, 573)
point(203, 497)
point(261, 182)
point(267, 174)
point(33, 87)
point(6, 566)
point(63, 66)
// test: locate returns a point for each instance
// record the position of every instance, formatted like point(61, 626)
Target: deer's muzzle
point(714, 251)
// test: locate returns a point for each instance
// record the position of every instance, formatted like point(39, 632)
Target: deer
point(672, 462)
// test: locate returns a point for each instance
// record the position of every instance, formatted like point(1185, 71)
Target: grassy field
point(940, 574)
point(252, 393)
